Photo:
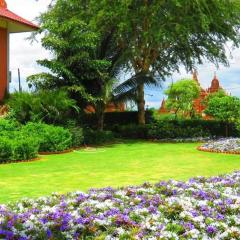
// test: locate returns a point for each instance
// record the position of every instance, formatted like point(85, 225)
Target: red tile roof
point(8, 15)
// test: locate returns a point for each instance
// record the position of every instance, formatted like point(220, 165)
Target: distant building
point(163, 108)
point(199, 106)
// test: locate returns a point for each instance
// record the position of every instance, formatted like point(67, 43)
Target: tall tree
point(224, 108)
point(181, 96)
point(85, 60)
point(160, 36)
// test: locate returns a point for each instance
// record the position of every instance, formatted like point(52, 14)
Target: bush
point(175, 129)
point(8, 125)
point(25, 148)
point(172, 129)
point(115, 118)
point(131, 131)
point(6, 151)
point(77, 136)
point(45, 106)
point(97, 137)
point(20, 148)
point(50, 138)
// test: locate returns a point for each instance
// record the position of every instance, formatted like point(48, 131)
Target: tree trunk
point(141, 104)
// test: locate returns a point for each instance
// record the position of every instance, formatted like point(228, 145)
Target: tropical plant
point(45, 106)
point(85, 59)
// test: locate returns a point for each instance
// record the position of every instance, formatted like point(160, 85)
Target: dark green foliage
point(49, 107)
point(77, 136)
point(97, 137)
point(170, 129)
point(132, 131)
point(51, 138)
point(176, 129)
point(115, 118)
point(6, 152)
point(189, 129)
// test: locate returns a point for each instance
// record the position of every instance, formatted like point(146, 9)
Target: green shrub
point(131, 131)
point(165, 130)
point(6, 150)
point(8, 125)
point(77, 136)
point(170, 129)
point(51, 138)
point(25, 148)
point(115, 118)
point(19, 148)
point(45, 106)
point(97, 137)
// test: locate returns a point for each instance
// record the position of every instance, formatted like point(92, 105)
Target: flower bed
point(201, 208)
point(227, 145)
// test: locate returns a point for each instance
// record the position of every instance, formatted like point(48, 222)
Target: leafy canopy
point(181, 96)
point(224, 108)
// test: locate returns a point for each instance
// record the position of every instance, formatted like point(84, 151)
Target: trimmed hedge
point(23, 143)
point(173, 129)
point(115, 118)
point(17, 149)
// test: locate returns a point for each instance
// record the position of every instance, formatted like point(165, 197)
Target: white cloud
point(23, 53)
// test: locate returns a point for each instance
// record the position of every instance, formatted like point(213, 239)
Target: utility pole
point(19, 81)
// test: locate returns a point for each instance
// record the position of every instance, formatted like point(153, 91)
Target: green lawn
point(117, 165)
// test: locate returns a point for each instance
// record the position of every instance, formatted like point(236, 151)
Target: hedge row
point(115, 118)
point(173, 129)
point(24, 142)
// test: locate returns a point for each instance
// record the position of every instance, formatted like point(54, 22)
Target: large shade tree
point(160, 36)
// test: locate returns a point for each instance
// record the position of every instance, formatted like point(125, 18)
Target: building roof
point(13, 22)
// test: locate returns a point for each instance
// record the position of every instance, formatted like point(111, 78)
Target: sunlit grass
point(122, 164)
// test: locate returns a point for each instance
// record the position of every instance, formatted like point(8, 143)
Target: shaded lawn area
point(117, 165)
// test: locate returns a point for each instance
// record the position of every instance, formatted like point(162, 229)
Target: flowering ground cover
point(201, 208)
point(230, 145)
point(128, 163)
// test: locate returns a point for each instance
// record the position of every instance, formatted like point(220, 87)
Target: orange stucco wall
point(3, 61)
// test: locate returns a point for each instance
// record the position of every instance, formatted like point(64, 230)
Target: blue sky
point(23, 55)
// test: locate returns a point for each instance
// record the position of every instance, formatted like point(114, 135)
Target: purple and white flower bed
point(201, 208)
point(223, 145)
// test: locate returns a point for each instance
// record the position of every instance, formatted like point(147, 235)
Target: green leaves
point(181, 96)
point(225, 108)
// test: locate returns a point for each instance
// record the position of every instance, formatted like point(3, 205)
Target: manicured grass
point(117, 165)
